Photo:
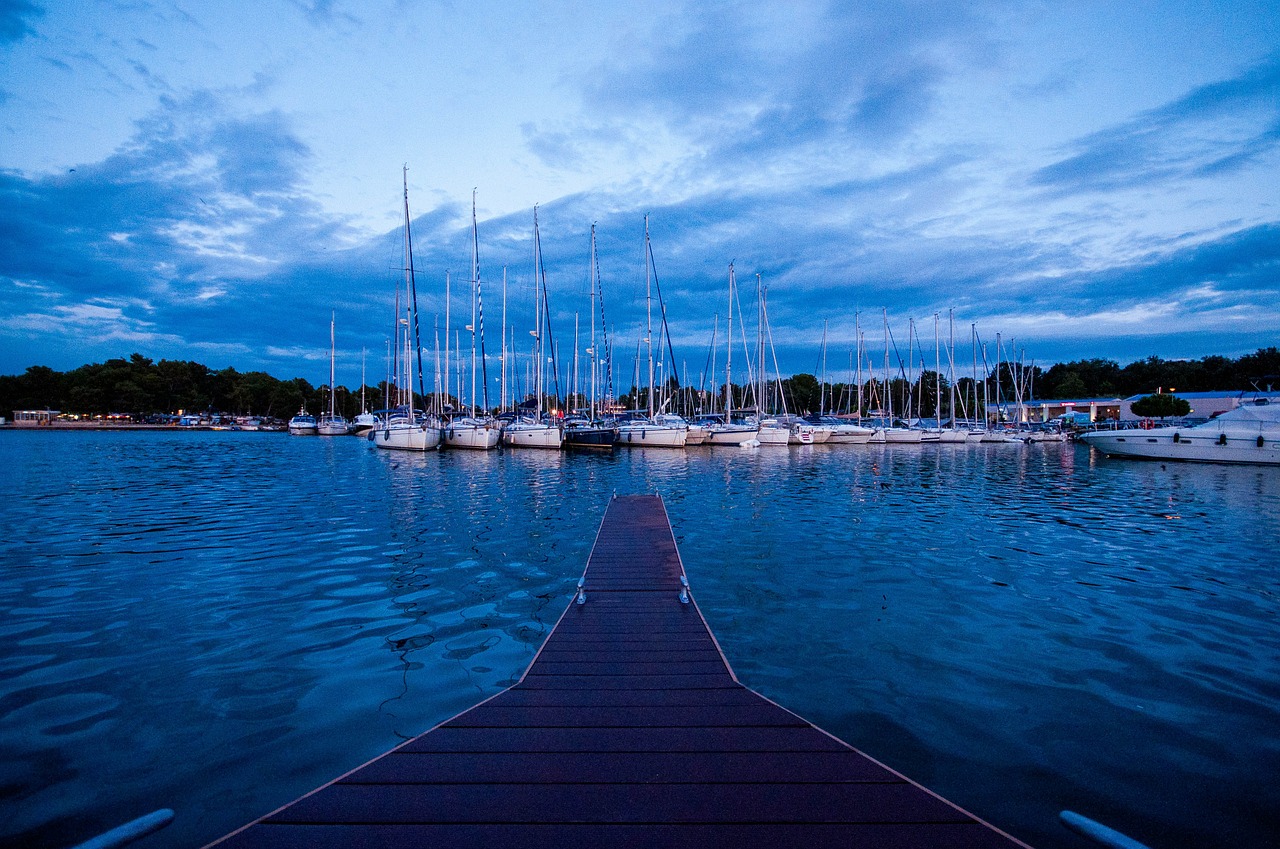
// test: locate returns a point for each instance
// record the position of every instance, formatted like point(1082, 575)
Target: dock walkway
point(628, 729)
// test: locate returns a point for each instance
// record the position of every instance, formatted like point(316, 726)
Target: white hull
point(902, 435)
point(997, 436)
point(302, 430)
point(851, 435)
point(774, 436)
point(954, 436)
point(520, 435)
point(697, 435)
point(472, 435)
point(333, 426)
point(652, 436)
point(364, 423)
point(408, 437)
point(1203, 444)
point(730, 434)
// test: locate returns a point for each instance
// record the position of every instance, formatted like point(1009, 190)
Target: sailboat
point(331, 423)
point(406, 428)
point(654, 430)
point(478, 430)
point(366, 421)
point(590, 431)
point(534, 431)
point(726, 431)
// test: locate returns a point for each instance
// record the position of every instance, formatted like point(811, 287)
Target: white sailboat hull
point(730, 434)
point(851, 435)
point(532, 436)
point(652, 436)
point(902, 435)
point(408, 437)
point(472, 435)
point(774, 435)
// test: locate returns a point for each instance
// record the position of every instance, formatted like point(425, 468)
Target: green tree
point(1161, 406)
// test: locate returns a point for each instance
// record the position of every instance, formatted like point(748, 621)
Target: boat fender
point(1177, 437)
point(1222, 439)
point(1261, 442)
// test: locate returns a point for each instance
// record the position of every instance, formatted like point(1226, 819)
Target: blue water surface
point(220, 622)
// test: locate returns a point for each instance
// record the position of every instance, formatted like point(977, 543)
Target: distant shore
point(96, 426)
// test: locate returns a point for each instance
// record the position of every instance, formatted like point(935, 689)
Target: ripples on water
point(220, 622)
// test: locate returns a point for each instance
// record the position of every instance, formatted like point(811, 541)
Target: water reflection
point(976, 615)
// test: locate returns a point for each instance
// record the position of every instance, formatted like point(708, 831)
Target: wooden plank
point(698, 739)
point(757, 715)
point(559, 835)
point(635, 768)
point(778, 802)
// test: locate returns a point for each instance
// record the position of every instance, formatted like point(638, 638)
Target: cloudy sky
point(211, 181)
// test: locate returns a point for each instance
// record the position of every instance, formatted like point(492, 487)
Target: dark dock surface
point(628, 729)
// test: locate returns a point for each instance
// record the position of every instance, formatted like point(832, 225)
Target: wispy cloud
point(16, 17)
point(1214, 129)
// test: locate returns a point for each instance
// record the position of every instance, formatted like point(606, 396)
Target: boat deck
point(628, 729)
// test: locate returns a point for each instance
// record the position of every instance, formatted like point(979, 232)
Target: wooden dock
point(628, 729)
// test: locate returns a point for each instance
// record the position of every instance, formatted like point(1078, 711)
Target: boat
point(302, 423)
point(724, 430)
point(842, 432)
point(332, 423)
point(406, 428)
point(582, 432)
point(366, 422)
point(477, 430)
point(1248, 434)
point(656, 429)
point(537, 430)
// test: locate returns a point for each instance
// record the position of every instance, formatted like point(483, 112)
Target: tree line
point(139, 386)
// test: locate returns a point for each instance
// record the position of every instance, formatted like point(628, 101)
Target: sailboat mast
point(728, 358)
point(332, 316)
point(502, 390)
point(539, 364)
point(595, 359)
point(648, 296)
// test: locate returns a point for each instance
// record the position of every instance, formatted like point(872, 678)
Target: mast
point(595, 360)
point(412, 306)
point(648, 296)
point(502, 391)
point(728, 359)
point(332, 316)
point(448, 363)
point(539, 363)
point(475, 273)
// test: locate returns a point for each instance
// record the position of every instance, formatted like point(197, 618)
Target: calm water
point(218, 623)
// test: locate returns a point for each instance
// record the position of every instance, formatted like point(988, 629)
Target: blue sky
point(1085, 179)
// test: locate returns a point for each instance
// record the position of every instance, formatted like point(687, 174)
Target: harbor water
point(218, 623)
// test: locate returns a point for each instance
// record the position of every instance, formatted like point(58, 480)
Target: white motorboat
point(1248, 434)
point(303, 424)
point(364, 423)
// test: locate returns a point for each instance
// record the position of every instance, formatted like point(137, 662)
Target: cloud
point(1215, 129)
point(15, 19)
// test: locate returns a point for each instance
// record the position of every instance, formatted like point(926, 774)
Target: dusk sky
point(211, 181)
